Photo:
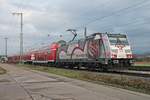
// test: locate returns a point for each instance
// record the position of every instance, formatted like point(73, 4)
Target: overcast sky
point(46, 20)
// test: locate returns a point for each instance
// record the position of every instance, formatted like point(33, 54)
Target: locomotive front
point(120, 49)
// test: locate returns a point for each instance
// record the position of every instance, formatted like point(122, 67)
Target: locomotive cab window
point(118, 39)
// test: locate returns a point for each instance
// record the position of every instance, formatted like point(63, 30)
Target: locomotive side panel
point(73, 51)
point(91, 49)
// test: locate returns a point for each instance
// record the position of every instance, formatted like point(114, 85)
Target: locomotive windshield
point(118, 39)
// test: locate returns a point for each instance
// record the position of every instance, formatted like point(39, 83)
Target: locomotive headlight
point(127, 51)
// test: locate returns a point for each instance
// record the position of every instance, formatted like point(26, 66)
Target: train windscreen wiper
point(118, 42)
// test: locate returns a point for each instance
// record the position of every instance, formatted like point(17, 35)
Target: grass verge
point(2, 71)
point(141, 64)
point(122, 81)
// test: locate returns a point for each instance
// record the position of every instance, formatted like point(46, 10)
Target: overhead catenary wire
point(42, 43)
point(113, 13)
point(132, 21)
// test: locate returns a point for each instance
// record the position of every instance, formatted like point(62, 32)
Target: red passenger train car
point(45, 54)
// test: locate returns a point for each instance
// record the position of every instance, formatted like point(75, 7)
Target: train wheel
point(104, 68)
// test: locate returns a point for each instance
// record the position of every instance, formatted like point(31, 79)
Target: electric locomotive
point(97, 50)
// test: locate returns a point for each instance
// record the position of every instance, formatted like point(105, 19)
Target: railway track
point(145, 74)
point(131, 71)
point(142, 71)
point(140, 68)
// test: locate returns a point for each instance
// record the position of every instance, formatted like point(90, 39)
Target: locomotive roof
point(62, 42)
